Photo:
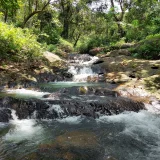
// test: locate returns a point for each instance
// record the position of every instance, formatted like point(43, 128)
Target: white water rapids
point(127, 136)
point(82, 71)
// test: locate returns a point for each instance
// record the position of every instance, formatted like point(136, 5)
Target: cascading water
point(81, 68)
point(70, 121)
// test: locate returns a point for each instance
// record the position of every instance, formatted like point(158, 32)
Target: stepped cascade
point(82, 117)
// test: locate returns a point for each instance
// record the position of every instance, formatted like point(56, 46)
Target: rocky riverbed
point(82, 108)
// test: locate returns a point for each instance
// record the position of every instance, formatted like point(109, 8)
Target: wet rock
point(72, 145)
point(98, 61)
point(46, 77)
point(89, 91)
point(72, 58)
point(94, 108)
point(155, 67)
point(5, 114)
point(90, 106)
point(11, 84)
point(67, 74)
point(26, 108)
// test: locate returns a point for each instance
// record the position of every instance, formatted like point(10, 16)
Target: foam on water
point(82, 70)
point(2, 125)
point(93, 59)
point(144, 120)
point(22, 129)
point(143, 126)
point(71, 120)
point(26, 92)
point(56, 108)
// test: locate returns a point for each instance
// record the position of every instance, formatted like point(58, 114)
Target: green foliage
point(65, 46)
point(61, 48)
point(86, 28)
point(148, 48)
point(49, 36)
point(52, 48)
point(91, 43)
point(49, 31)
point(17, 43)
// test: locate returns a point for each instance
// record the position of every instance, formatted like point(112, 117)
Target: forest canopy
point(82, 25)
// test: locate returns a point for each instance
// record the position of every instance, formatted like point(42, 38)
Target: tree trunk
point(117, 18)
point(120, 30)
point(5, 15)
point(35, 12)
point(30, 16)
point(76, 41)
point(65, 32)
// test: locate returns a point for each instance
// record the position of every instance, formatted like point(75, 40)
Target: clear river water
point(126, 136)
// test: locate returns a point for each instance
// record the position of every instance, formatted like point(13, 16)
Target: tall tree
point(66, 13)
point(9, 8)
point(35, 7)
point(119, 14)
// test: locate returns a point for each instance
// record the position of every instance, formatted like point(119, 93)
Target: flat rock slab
point(51, 56)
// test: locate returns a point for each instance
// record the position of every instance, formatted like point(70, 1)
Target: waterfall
point(58, 109)
point(22, 129)
point(14, 116)
point(81, 68)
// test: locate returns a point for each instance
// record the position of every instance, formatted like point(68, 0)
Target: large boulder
point(51, 57)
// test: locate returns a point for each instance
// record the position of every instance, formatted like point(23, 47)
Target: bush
point(18, 43)
point(49, 36)
point(61, 49)
point(51, 48)
point(65, 46)
point(92, 43)
point(148, 48)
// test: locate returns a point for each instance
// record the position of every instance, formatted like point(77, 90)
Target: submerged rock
point(72, 145)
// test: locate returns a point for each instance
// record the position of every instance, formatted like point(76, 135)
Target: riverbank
point(55, 119)
point(27, 73)
point(133, 74)
point(136, 78)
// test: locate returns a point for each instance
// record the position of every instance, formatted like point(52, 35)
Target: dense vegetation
point(78, 25)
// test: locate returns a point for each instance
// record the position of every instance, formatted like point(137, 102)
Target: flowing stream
point(126, 136)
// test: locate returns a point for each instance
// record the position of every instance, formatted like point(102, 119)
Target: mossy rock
point(83, 90)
